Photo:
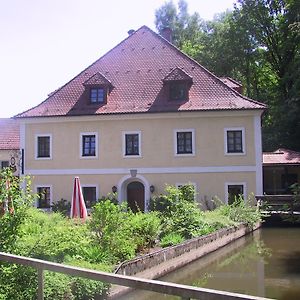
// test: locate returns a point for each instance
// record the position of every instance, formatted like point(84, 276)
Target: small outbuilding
point(281, 169)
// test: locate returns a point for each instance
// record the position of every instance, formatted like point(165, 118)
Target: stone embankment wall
point(161, 262)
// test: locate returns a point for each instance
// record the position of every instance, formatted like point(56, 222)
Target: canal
point(265, 263)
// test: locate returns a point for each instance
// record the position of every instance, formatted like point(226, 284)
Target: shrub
point(241, 211)
point(14, 203)
point(52, 237)
point(145, 229)
point(109, 223)
point(179, 212)
point(171, 239)
point(62, 206)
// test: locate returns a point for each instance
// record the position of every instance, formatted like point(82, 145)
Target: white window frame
point(51, 196)
point(192, 130)
point(82, 134)
point(243, 140)
point(179, 184)
point(124, 133)
point(91, 185)
point(36, 145)
point(227, 184)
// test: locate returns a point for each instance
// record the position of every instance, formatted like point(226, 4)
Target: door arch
point(136, 196)
point(126, 180)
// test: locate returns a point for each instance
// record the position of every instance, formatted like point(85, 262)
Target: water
point(265, 263)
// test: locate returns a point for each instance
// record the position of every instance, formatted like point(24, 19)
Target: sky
point(45, 43)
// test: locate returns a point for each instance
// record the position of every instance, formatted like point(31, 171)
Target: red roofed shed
point(281, 169)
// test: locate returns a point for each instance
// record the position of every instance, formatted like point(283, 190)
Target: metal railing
point(183, 291)
point(280, 203)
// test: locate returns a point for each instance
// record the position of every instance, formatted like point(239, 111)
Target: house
point(142, 116)
point(9, 144)
point(281, 169)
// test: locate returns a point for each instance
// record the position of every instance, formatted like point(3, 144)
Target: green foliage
point(13, 207)
point(52, 237)
point(241, 211)
point(179, 212)
point(62, 206)
point(121, 233)
point(171, 239)
point(109, 223)
point(145, 229)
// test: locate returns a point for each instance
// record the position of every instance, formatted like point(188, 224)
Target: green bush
point(171, 239)
point(52, 236)
point(16, 201)
point(179, 212)
point(62, 206)
point(145, 229)
point(240, 211)
point(109, 223)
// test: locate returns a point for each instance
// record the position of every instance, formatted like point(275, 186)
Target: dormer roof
point(177, 74)
point(97, 79)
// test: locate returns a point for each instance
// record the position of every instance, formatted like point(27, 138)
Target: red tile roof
point(281, 157)
point(9, 134)
point(136, 68)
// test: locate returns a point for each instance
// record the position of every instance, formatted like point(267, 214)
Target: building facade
point(142, 116)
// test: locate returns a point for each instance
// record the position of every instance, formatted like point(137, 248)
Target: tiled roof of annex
point(9, 134)
point(281, 157)
point(136, 68)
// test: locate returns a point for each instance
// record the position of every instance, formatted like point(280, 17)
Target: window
point(178, 91)
point(97, 95)
point(234, 141)
point(4, 164)
point(234, 191)
point(44, 197)
point(132, 144)
point(89, 145)
point(184, 142)
point(43, 146)
point(89, 195)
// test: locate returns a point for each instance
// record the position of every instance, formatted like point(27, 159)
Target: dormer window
point(178, 91)
point(177, 84)
point(97, 88)
point(97, 95)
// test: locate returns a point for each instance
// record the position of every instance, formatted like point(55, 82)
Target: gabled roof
point(281, 157)
point(136, 68)
point(177, 74)
point(97, 79)
point(9, 134)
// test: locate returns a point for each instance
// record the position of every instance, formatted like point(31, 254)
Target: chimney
point(130, 31)
point(167, 34)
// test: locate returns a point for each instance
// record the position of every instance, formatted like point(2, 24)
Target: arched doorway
point(136, 196)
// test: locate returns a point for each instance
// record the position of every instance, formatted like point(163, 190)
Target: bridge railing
point(183, 291)
point(284, 203)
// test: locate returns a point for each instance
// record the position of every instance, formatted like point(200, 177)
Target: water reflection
point(266, 263)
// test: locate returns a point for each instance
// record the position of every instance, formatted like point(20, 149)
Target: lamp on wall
point(152, 188)
point(114, 189)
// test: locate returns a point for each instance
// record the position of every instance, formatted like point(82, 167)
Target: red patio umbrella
point(78, 208)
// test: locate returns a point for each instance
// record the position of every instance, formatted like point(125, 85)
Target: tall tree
point(274, 25)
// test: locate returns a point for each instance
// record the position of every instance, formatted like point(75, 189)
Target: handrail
point(184, 291)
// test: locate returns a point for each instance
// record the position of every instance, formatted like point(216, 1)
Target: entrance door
point(136, 196)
